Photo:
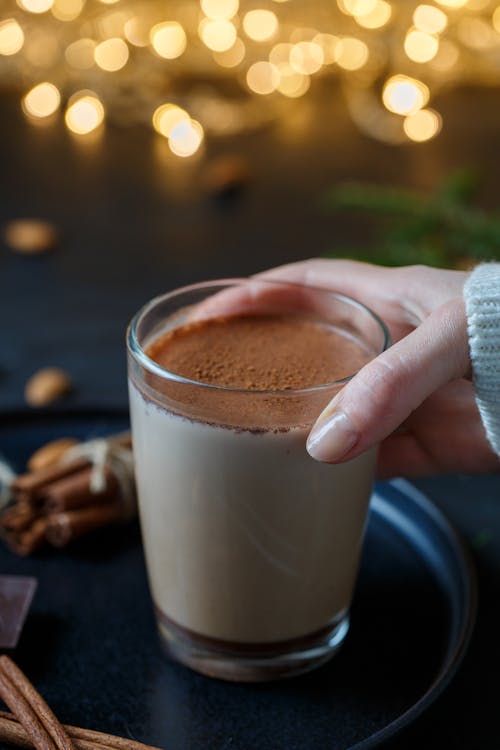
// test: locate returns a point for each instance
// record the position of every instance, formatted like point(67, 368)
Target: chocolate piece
point(16, 593)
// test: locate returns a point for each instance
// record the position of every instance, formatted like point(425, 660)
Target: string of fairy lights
point(196, 67)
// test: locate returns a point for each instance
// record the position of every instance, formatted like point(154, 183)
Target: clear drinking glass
point(252, 547)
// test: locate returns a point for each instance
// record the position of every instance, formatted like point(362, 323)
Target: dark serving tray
point(90, 644)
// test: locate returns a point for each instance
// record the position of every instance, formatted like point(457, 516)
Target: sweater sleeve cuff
point(482, 304)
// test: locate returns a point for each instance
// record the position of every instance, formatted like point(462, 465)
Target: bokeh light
point(352, 53)
point(219, 36)
point(168, 39)
point(220, 10)
point(357, 7)
point(186, 138)
point(231, 57)
point(496, 19)
point(111, 55)
point(447, 56)
point(292, 84)
point(452, 3)
point(11, 37)
point(306, 57)
point(379, 16)
point(329, 44)
point(260, 25)
point(84, 113)
point(42, 100)
point(167, 116)
point(430, 19)
point(80, 54)
point(263, 78)
point(136, 31)
point(35, 6)
point(476, 33)
point(421, 46)
point(404, 95)
point(67, 10)
point(423, 125)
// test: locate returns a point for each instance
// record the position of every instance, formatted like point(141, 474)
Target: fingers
point(403, 296)
point(263, 297)
point(427, 287)
point(385, 392)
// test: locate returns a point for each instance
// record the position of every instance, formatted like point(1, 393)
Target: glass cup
point(252, 547)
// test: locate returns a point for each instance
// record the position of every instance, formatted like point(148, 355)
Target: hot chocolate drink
point(251, 545)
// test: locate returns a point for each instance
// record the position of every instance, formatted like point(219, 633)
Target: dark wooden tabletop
point(135, 221)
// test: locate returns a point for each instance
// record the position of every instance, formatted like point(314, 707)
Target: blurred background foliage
point(442, 228)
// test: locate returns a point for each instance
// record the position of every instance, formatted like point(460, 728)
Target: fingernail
point(332, 437)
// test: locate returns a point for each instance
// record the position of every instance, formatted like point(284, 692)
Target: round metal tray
point(102, 667)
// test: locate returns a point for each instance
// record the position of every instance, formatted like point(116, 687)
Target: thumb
point(386, 390)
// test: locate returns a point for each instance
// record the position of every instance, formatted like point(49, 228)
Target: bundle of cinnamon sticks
point(58, 503)
point(32, 723)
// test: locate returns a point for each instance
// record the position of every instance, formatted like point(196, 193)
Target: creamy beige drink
point(252, 547)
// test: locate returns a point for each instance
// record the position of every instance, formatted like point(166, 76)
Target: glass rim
point(140, 356)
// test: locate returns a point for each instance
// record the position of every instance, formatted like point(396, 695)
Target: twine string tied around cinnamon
point(109, 453)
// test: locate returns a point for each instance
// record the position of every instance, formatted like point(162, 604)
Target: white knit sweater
point(482, 303)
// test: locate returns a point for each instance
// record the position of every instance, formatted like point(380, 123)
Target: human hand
point(416, 398)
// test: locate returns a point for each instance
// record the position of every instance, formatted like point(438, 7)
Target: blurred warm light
point(292, 84)
point(136, 31)
point(357, 7)
point(306, 57)
point(260, 25)
point(420, 46)
point(218, 36)
point(67, 10)
point(186, 138)
point(404, 95)
point(11, 37)
point(167, 117)
point(280, 54)
point(476, 33)
point(478, 4)
point(220, 10)
point(302, 34)
point(84, 113)
point(263, 77)
point(423, 125)
point(80, 54)
point(377, 17)
point(231, 57)
point(41, 49)
point(352, 53)
point(329, 45)
point(35, 6)
point(430, 19)
point(269, 45)
point(452, 3)
point(111, 55)
point(447, 56)
point(168, 39)
point(42, 100)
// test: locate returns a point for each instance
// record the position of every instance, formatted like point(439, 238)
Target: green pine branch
point(439, 229)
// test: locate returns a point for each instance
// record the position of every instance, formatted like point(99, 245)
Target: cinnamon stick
point(74, 491)
point(19, 687)
point(18, 517)
point(63, 528)
point(32, 482)
point(28, 540)
point(23, 711)
point(83, 739)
